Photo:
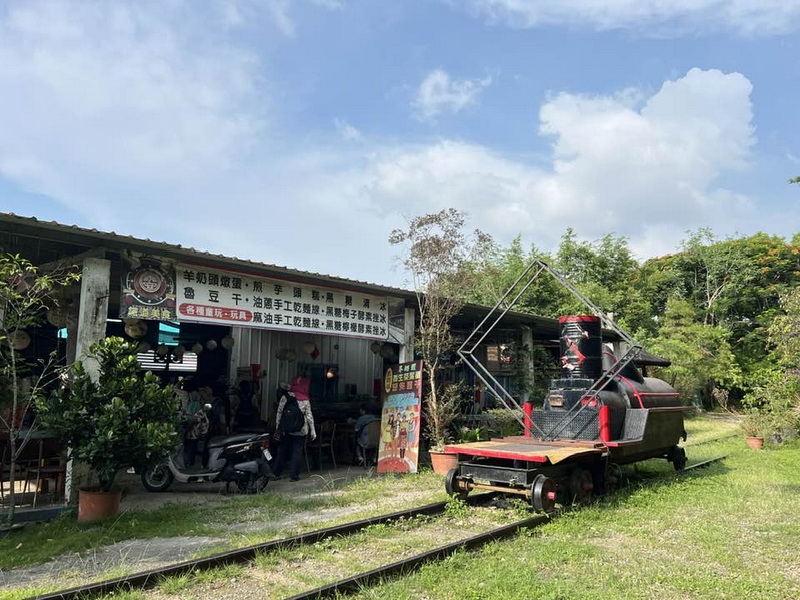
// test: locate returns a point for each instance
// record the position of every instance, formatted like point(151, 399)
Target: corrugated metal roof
point(111, 236)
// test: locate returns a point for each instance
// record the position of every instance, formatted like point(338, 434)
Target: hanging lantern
point(308, 347)
point(375, 347)
point(197, 348)
point(144, 346)
point(211, 345)
point(57, 316)
point(162, 350)
point(19, 340)
point(291, 355)
point(179, 351)
point(227, 342)
point(130, 321)
point(136, 330)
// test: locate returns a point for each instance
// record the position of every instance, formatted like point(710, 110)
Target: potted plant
point(754, 426)
point(439, 416)
point(122, 419)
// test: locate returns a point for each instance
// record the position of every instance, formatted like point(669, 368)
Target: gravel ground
point(133, 555)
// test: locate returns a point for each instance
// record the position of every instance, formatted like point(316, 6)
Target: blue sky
point(299, 132)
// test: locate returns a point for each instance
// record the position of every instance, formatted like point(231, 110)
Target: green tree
point(442, 260)
point(26, 293)
point(784, 331)
point(701, 355)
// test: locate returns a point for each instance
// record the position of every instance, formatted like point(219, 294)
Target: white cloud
point(746, 17)
point(438, 93)
point(151, 119)
point(648, 172)
point(348, 132)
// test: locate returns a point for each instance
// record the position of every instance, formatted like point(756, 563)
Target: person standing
point(295, 422)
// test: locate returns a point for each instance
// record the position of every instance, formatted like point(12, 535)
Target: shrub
point(123, 419)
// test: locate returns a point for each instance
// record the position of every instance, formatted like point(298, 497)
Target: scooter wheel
point(157, 479)
point(252, 485)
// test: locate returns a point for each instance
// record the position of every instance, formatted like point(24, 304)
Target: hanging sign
point(148, 290)
point(398, 451)
point(229, 298)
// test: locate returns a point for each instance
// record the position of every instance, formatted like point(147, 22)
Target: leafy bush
point(503, 423)
point(123, 419)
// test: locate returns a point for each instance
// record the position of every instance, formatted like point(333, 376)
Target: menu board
point(229, 298)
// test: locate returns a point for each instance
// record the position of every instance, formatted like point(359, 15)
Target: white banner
point(229, 298)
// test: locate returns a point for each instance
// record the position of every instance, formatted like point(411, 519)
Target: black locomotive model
point(599, 414)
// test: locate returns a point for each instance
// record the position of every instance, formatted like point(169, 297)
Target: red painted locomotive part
point(578, 319)
point(528, 408)
point(605, 424)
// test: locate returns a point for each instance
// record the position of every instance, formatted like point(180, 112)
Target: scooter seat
point(223, 440)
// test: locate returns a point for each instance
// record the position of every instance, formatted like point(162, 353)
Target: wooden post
point(91, 328)
point(407, 347)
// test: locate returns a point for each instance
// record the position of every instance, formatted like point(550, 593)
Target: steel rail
point(152, 577)
point(146, 579)
point(358, 582)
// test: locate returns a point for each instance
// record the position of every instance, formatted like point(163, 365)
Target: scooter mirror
point(206, 406)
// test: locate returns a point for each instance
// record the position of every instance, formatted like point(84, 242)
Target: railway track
point(247, 555)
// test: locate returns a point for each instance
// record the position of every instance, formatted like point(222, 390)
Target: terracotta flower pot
point(94, 505)
point(443, 462)
point(756, 443)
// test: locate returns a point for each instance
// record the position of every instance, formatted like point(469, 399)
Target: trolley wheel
point(158, 478)
point(677, 456)
point(581, 486)
point(613, 477)
point(452, 485)
point(543, 494)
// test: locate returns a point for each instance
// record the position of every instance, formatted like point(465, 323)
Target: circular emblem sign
point(149, 285)
point(387, 381)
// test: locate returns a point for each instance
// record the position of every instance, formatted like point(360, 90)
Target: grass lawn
point(730, 531)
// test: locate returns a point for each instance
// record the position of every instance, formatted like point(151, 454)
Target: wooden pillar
point(91, 328)
point(407, 347)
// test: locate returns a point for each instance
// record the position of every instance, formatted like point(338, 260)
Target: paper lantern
point(179, 351)
point(227, 342)
point(19, 340)
point(197, 348)
point(130, 321)
point(211, 345)
point(162, 350)
point(375, 347)
point(136, 330)
point(57, 316)
point(143, 347)
point(308, 347)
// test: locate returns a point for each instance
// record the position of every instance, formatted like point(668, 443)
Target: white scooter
point(241, 458)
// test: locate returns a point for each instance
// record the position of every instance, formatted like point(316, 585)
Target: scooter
point(240, 459)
